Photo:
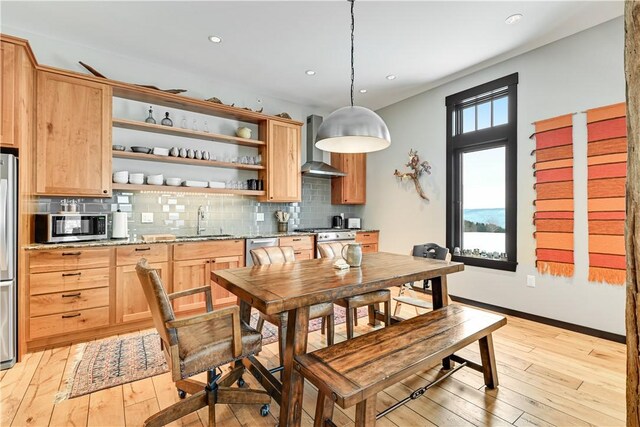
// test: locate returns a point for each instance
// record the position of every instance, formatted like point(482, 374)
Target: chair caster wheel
point(264, 411)
point(241, 382)
point(182, 394)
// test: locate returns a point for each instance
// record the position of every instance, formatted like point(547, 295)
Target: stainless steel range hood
point(315, 166)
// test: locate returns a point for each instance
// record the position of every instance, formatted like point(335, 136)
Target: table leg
point(440, 297)
point(292, 381)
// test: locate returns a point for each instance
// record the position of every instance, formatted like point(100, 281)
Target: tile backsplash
point(224, 213)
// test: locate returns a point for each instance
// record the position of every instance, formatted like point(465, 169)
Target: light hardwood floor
point(548, 376)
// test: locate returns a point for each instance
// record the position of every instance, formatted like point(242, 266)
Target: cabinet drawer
point(61, 281)
point(68, 259)
point(367, 237)
point(369, 248)
point(200, 250)
point(58, 324)
point(61, 302)
point(303, 254)
point(129, 255)
point(297, 242)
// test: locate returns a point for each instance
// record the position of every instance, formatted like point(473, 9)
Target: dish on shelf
point(144, 150)
point(174, 181)
point(155, 180)
point(217, 184)
point(117, 147)
point(198, 184)
point(136, 178)
point(158, 151)
point(121, 177)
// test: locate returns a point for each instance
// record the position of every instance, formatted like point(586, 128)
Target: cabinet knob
point(105, 191)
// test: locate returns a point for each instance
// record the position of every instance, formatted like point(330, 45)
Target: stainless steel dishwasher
point(259, 242)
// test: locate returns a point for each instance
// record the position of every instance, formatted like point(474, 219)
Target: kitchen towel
point(607, 163)
point(553, 216)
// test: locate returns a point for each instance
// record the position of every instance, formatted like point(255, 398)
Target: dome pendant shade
point(353, 130)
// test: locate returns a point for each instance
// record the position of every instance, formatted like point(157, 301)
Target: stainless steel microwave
point(70, 227)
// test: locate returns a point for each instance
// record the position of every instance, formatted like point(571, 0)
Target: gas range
point(330, 234)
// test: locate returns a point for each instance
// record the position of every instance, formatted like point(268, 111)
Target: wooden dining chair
point(427, 250)
point(197, 344)
point(351, 304)
point(282, 255)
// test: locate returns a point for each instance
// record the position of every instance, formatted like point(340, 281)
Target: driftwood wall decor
point(417, 169)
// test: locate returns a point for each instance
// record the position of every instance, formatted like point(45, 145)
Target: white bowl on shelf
point(136, 178)
point(121, 177)
point(158, 151)
point(155, 180)
point(174, 181)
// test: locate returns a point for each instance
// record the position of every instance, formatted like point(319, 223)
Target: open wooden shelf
point(176, 189)
point(186, 133)
point(185, 161)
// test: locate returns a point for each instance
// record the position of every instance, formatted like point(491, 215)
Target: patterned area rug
point(115, 361)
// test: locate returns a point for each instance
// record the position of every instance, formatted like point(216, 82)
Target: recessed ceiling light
point(363, 91)
point(215, 39)
point(391, 77)
point(310, 73)
point(513, 19)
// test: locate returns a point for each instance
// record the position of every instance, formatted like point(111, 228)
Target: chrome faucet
point(200, 229)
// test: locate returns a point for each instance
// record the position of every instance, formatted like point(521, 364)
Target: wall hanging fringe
point(553, 217)
point(606, 186)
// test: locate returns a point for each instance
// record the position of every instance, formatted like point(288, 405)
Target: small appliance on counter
point(70, 227)
point(120, 229)
point(336, 221)
point(354, 223)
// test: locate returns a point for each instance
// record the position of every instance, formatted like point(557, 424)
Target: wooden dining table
point(294, 287)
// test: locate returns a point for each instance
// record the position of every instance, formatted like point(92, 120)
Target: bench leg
point(366, 412)
point(330, 329)
point(373, 309)
point(488, 362)
point(349, 313)
point(324, 410)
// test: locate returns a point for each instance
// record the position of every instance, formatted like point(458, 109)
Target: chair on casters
point(200, 343)
point(282, 255)
point(351, 304)
point(428, 250)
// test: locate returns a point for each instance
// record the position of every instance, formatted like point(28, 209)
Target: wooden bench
point(353, 372)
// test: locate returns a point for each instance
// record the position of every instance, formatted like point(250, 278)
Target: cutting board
point(158, 237)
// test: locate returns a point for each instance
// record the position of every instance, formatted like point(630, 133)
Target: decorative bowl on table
point(143, 150)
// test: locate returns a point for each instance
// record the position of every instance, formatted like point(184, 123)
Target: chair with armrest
point(427, 250)
point(351, 304)
point(200, 343)
point(282, 255)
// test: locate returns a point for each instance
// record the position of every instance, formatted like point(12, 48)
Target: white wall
point(580, 72)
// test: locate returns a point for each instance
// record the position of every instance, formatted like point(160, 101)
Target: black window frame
point(504, 135)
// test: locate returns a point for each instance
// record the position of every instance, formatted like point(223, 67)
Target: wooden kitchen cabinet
point(192, 266)
point(282, 177)
point(73, 136)
point(303, 246)
point(16, 92)
point(350, 189)
point(131, 303)
point(369, 240)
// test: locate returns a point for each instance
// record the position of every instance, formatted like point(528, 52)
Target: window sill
point(486, 263)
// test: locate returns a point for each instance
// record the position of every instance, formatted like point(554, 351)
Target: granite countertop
point(179, 239)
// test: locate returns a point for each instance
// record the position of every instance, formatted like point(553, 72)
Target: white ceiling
point(268, 45)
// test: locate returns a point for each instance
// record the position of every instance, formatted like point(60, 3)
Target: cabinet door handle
point(76, 295)
point(71, 253)
point(298, 252)
point(68, 316)
point(297, 240)
point(366, 235)
point(79, 273)
point(142, 249)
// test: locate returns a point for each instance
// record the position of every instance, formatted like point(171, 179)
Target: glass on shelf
point(150, 119)
point(166, 121)
point(194, 125)
point(183, 122)
point(205, 128)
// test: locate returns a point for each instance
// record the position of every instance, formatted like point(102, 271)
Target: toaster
point(354, 223)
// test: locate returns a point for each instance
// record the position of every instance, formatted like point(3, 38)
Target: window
point(482, 174)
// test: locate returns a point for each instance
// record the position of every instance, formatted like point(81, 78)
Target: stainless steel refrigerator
point(8, 257)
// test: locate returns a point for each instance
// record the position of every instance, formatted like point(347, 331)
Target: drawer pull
point(71, 274)
point(366, 235)
point(142, 249)
point(77, 294)
point(297, 240)
point(298, 252)
point(71, 253)
point(68, 316)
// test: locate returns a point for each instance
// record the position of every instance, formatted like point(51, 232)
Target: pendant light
point(353, 129)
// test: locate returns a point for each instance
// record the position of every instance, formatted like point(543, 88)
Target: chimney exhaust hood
point(315, 166)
